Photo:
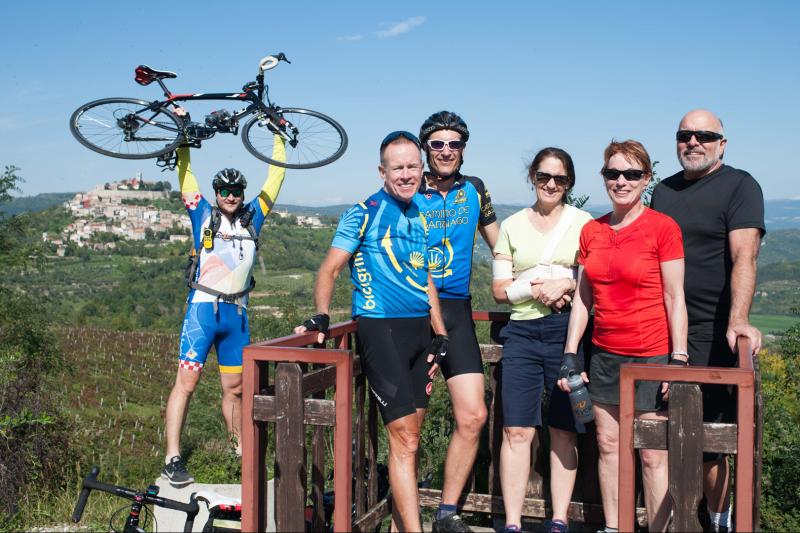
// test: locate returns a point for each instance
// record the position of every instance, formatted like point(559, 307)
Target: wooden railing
point(686, 437)
point(287, 381)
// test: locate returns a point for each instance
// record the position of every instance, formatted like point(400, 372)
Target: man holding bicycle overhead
point(455, 206)
point(384, 239)
point(225, 238)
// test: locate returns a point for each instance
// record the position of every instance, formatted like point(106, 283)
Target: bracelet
point(680, 353)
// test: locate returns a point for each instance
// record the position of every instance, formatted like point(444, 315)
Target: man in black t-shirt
point(720, 210)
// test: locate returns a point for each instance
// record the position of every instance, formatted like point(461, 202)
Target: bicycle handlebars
point(90, 483)
point(270, 62)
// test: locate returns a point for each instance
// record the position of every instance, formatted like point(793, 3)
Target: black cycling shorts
point(709, 347)
point(394, 353)
point(463, 353)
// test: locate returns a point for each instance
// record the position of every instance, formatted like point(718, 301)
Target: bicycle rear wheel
point(314, 139)
point(126, 128)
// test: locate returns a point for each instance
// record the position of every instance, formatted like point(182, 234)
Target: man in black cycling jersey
point(384, 239)
point(455, 206)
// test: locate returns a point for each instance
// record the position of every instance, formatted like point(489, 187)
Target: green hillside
point(40, 202)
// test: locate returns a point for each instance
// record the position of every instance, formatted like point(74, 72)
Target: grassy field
point(115, 397)
point(773, 323)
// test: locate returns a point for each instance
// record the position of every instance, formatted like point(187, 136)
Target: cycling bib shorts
point(463, 353)
point(394, 359)
point(227, 330)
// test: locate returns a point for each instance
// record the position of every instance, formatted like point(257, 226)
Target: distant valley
point(779, 214)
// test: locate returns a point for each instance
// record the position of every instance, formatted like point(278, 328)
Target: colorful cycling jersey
point(227, 266)
point(452, 222)
point(388, 269)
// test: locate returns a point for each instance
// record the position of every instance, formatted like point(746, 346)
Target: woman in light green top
point(534, 270)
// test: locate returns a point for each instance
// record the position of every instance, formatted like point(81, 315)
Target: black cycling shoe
point(175, 471)
point(452, 523)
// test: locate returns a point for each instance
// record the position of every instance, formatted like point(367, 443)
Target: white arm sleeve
point(502, 269)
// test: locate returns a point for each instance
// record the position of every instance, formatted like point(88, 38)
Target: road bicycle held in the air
point(130, 128)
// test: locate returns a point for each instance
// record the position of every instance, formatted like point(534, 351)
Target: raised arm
point(744, 246)
point(187, 182)
point(272, 186)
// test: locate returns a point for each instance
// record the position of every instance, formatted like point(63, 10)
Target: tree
point(9, 181)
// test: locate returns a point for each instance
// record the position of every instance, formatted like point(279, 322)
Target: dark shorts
point(394, 359)
point(463, 353)
point(709, 347)
point(532, 351)
point(604, 380)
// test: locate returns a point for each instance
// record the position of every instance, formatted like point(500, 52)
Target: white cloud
point(350, 38)
point(399, 28)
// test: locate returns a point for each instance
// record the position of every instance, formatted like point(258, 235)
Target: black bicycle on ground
point(130, 128)
point(138, 515)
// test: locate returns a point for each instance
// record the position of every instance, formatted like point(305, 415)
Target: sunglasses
point(396, 135)
point(438, 145)
point(684, 136)
point(237, 193)
point(611, 174)
point(544, 177)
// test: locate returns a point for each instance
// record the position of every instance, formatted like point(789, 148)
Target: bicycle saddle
point(213, 499)
point(145, 75)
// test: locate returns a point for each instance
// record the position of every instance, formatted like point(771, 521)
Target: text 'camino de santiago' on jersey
point(452, 222)
point(388, 269)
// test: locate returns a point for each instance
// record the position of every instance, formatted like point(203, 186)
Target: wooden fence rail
point(306, 391)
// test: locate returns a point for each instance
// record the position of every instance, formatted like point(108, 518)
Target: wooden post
point(254, 488)
point(685, 445)
point(495, 428)
point(360, 494)
point(343, 446)
point(290, 471)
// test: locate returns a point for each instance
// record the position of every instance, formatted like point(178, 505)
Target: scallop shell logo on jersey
point(417, 260)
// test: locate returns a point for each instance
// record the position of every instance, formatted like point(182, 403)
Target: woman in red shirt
point(631, 273)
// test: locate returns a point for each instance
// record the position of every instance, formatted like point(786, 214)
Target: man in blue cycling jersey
point(225, 240)
point(384, 239)
point(455, 206)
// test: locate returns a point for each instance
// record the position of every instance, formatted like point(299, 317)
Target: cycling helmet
point(229, 177)
point(443, 120)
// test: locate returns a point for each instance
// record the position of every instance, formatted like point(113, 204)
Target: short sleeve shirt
point(624, 269)
point(707, 210)
point(524, 243)
point(452, 223)
point(388, 268)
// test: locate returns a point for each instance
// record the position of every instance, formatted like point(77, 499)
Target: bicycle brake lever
point(282, 57)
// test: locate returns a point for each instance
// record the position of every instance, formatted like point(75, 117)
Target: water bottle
point(579, 399)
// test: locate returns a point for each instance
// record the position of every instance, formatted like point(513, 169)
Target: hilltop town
point(133, 209)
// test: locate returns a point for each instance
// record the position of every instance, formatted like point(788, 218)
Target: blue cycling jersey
point(388, 240)
point(452, 222)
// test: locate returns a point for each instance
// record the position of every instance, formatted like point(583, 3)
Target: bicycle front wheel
point(312, 139)
point(126, 128)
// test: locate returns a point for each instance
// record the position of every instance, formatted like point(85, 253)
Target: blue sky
point(524, 75)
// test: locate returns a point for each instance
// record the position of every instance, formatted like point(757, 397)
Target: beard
point(698, 165)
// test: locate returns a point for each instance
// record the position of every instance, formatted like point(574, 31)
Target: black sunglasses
point(684, 136)
point(611, 174)
point(438, 145)
point(396, 135)
point(544, 177)
point(237, 193)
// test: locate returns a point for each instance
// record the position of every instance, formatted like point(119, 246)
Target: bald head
point(701, 120)
point(700, 157)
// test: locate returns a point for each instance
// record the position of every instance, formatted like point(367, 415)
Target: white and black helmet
point(443, 120)
point(229, 178)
